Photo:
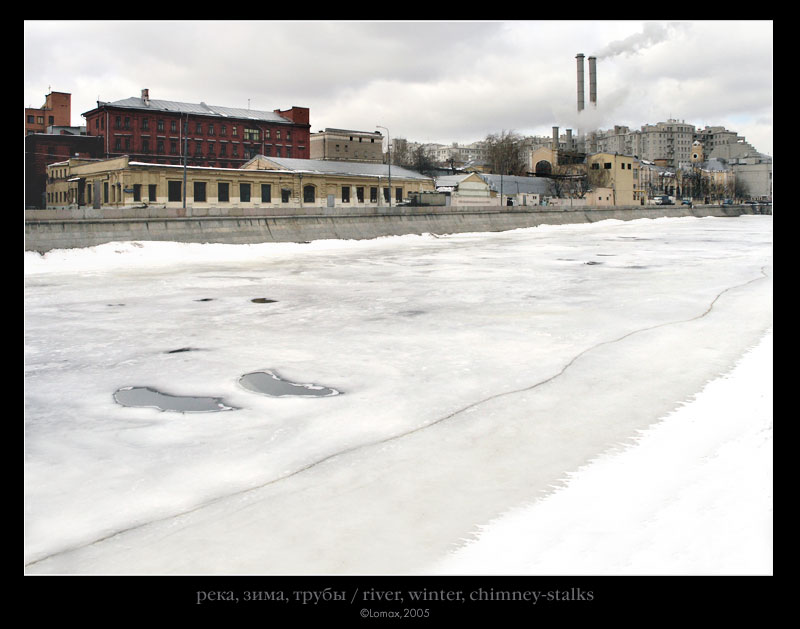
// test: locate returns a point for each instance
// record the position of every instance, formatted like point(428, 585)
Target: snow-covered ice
point(480, 375)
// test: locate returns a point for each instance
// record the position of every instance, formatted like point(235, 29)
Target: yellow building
point(263, 182)
point(614, 179)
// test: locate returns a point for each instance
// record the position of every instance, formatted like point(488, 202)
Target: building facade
point(57, 110)
point(162, 132)
point(614, 179)
point(347, 145)
point(264, 182)
point(42, 149)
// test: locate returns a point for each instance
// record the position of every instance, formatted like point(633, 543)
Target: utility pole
point(389, 151)
point(185, 150)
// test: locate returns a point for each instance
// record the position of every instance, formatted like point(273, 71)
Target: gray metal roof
point(327, 167)
point(513, 184)
point(196, 108)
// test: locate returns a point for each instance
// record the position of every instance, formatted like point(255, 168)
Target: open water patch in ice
point(263, 300)
point(270, 383)
point(151, 398)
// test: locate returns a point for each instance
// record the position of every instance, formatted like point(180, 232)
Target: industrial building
point(263, 182)
point(163, 132)
point(346, 145)
point(57, 110)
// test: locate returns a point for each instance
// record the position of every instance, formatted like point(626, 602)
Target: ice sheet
point(479, 369)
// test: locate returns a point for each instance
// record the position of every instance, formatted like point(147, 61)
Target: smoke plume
point(652, 33)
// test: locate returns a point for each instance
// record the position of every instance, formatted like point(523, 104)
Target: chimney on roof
point(146, 96)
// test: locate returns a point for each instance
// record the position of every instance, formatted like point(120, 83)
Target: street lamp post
point(389, 151)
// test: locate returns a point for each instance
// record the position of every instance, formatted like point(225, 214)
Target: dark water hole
point(271, 384)
point(151, 398)
point(263, 300)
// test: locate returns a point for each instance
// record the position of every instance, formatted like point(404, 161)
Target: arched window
point(544, 168)
point(309, 194)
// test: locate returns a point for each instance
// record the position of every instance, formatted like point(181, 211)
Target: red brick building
point(158, 131)
point(42, 149)
point(57, 110)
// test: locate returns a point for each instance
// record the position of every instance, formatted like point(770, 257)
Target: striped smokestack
point(593, 81)
point(579, 57)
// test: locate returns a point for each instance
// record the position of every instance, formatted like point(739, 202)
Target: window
point(200, 191)
point(223, 192)
point(211, 128)
point(118, 144)
point(266, 193)
point(309, 194)
point(105, 192)
point(40, 119)
point(607, 165)
point(235, 132)
point(373, 195)
point(285, 195)
point(173, 126)
point(160, 124)
point(174, 191)
point(345, 194)
point(173, 147)
point(198, 147)
point(223, 130)
point(288, 135)
point(51, 120)
point(199, 128)
point(31, 119)
point(160, 147)
point(223, 149)
point(137, 192)
point(127, 122)
point(145, 124)
point(117, 122)
point(252, 134)
point(398, 194)
point(151, 192)
point(386, 194)
point(360, 194)
point(244, 192)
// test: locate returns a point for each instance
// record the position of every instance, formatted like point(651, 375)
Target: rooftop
point(201, 109)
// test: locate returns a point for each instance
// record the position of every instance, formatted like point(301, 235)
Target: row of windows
point(254, 134)
point(200, 188)
point(607, 166)
point(40, 119)
point(195, 147)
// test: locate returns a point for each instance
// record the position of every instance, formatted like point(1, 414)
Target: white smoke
point(652, 33)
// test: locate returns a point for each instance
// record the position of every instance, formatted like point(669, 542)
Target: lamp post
point(389, 151)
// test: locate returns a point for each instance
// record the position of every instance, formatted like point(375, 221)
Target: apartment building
point(161, 131)
point(57, 110)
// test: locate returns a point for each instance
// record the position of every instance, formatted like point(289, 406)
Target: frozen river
point(456, 377)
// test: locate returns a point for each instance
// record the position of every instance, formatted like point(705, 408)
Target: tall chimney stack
point(593, 81)
point(146, 96)
point(555, 138)
point(579, 57)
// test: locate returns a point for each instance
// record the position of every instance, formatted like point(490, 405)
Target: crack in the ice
point(401, 435)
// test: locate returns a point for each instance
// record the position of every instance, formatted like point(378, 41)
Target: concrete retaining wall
point(86, 227)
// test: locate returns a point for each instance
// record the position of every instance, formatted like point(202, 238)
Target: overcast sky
point(425, 81)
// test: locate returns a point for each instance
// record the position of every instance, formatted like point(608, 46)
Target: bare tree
point(505, 154)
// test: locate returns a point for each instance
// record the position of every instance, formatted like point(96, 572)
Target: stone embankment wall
point(86, 227)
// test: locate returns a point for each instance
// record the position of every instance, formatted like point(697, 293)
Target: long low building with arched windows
point(263, 182)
